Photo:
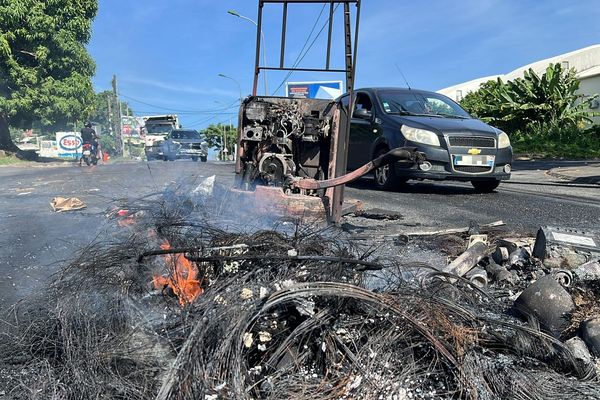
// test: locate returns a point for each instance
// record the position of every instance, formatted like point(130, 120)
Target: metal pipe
point(467, 260)
point(301, 69)
point(400, 153)
point(329, 35)
point(283, 29)
point(478, 277)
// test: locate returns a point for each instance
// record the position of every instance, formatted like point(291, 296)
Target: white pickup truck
point(157, 129)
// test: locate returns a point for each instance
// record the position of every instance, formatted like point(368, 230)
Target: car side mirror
point(362, 113)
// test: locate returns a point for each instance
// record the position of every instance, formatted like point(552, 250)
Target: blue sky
point(167, 54)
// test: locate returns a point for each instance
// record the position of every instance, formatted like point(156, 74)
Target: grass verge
point(575, 148)
point(10, 160)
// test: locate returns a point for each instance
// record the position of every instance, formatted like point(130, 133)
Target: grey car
point(184, 143)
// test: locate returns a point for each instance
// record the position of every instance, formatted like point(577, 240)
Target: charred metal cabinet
point(280, 139)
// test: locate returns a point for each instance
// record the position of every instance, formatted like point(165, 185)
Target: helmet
point(88, 124)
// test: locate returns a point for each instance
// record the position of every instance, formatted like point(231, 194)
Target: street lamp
point(264, 47)
point(236, 82)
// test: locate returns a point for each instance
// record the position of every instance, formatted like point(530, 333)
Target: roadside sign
point(48, 148)
point(69, 144)
point(314, 90)
point(131, 126)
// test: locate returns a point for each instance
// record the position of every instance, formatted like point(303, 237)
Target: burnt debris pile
point(188, 304)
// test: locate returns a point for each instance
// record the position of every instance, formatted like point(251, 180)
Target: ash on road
point(37, 240)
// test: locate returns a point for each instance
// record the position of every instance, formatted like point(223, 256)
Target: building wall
point(585, 61)
point(590, 86)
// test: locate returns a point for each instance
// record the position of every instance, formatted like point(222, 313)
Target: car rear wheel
point(203, 158)
point(385, 176)
point(485, 186)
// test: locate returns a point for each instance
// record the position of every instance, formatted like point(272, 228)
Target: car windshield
point(419, 103)
point(159, 128)
point(185, 135)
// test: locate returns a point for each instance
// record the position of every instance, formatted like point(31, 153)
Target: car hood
point(449, 125)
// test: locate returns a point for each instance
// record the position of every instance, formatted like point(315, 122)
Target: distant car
point(457, 146)
point(183, 143)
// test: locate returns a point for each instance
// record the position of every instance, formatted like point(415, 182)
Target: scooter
point(89, 155)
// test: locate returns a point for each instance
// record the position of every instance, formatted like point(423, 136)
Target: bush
point(539, 113)
point(570, 142)
point(549, 100)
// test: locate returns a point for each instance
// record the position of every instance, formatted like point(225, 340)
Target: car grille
point(472, 169)
point(471, 141)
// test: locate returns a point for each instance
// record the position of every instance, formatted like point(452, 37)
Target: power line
point(209, 111)
point(153, 112)
point(301, 56)
point(302, 49)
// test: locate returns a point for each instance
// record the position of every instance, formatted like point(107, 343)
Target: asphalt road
point(36, 240)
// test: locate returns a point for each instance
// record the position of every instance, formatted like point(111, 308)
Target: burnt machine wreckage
point(292, 153)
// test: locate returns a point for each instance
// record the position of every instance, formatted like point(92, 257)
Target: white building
point(585, 61)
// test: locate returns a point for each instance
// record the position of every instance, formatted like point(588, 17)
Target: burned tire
point(204, 158)
point(385, 177)
point(485, 186)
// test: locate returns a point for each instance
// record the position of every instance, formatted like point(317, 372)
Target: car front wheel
point(385, 176)
point(485, 186)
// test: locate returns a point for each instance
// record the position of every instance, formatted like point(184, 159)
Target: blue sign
point(314, 90)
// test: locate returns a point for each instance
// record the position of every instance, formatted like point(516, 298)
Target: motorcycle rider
point(88, 135)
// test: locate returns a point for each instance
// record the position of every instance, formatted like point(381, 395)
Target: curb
point(573, 179)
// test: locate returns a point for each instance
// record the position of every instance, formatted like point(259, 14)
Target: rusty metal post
point(257, 58)
point(341, 158)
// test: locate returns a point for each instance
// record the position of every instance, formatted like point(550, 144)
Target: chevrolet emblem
point(474, 151)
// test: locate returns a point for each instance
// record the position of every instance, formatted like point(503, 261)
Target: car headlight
point(503, 140)
point(420, 135)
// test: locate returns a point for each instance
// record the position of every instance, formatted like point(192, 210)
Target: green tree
point(213, 134)
point(540, 103)
point(100, 114)
point(45, 69)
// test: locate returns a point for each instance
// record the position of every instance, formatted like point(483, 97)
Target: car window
point(159, 128)
point(438, 106)
point(420, 103)
point(345, 100)
point(185, 135)
point(363, 101)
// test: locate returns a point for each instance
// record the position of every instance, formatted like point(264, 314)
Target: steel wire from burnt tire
point(284, 313)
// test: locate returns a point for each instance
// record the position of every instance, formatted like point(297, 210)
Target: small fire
point(125, 218)
point(183, 279)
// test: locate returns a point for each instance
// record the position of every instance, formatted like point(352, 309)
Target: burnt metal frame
point(338, 163)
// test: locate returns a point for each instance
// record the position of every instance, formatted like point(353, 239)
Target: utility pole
point(225, 143)
point(118, 133)
point(110, 119)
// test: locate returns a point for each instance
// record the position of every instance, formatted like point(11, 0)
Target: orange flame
point(183, 279)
